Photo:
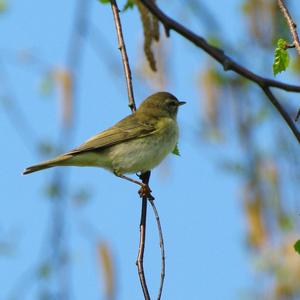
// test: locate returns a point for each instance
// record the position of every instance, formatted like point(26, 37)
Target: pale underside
point(136, 155)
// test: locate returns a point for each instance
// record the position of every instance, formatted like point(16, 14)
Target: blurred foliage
point(3, 6)
point(44, 270)
point(106, 264)
point(52, 190)
point(46, 85)
point(129, 4)
point(46, 148)
point(82, 196)
point(155, 80)
point(265, 22)
point(297, 246)
point(151, 33)
point(268, 170)
point(63, 78)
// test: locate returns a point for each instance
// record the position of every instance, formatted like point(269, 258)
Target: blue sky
point(199, 205)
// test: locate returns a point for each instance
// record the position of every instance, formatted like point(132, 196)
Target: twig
point(282, 112)
point(122, 48)
point(229, 64)
point(140, 259)
point(162, 249)
point(145, 176)
point(297, 116)
point(292, 25)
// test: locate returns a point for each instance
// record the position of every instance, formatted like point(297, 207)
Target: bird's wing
point(128, 128)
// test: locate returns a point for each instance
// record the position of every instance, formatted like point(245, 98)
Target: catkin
point(148, 34)
point(155, 26)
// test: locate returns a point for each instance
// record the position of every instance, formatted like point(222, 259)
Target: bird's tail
point(58, 161)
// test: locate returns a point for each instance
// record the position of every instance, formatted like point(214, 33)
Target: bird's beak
point(181, 103)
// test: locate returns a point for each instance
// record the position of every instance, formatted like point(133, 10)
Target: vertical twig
point(146, 176)
point(162, 249)
point(140, 259)
point(122, 48)
point(298, 115)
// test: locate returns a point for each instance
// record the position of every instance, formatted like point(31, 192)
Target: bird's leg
point(129, 179)
point(144, 191)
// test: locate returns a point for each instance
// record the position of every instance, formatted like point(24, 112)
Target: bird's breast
point(145, 153)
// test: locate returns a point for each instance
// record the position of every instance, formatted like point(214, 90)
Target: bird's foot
point(145, 192)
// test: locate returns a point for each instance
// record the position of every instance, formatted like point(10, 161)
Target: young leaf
point(281, 57)
point(129, 4)
point(297, 246)
point(104, 1)
point(176, 150)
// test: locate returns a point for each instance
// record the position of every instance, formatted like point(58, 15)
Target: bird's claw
point(145, 192)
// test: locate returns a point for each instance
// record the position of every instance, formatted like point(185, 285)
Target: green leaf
point(176, 150)
point(129, 4)
point(297, 246)
point(281, 57)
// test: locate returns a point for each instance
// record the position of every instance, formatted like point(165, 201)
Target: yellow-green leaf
point(297, 246)
point(281, 57)
point(129, 4)
point(176, 150)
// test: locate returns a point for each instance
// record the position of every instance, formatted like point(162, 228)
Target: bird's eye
point(173, 103)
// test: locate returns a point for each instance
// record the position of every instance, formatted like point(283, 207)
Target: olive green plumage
point(137, 143)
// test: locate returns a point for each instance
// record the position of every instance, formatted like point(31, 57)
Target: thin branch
point(292, 25)
point(140, 259)
point(162, 249)
point(282, 112)
point(216, 53)
point(228, 63)
point(122, 48)
point(145, 176)
point(297, 116)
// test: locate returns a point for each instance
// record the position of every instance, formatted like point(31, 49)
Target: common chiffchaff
point(137, 143)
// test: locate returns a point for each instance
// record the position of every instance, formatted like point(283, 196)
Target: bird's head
point(161, 104)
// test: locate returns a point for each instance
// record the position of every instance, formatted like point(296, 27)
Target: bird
point(136, 144)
